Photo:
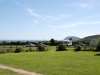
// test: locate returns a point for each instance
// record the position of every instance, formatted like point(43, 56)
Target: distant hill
point(89, 38)
point(74, 38)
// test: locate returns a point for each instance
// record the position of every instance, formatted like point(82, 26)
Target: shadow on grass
point(97, 54)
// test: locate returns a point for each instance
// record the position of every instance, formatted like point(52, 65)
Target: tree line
point(52, 42)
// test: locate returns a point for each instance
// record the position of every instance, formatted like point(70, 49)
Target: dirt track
point(24, 72)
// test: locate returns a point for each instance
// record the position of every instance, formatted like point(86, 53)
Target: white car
point(30, 45)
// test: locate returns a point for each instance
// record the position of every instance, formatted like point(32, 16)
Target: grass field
point(54, 63)
point(7, 72)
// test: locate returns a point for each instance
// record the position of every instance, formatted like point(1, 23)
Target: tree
point(70, 38)
point(52, 42)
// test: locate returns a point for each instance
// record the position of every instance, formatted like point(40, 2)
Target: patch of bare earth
point(24, 72)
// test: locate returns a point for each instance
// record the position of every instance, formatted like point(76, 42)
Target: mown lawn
point(7, 72)
point(55, 63)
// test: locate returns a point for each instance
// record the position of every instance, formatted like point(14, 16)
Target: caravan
point(67, 42)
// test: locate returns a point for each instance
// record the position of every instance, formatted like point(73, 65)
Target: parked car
point(30, 45)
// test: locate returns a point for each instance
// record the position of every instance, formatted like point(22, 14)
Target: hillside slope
point(89, 38)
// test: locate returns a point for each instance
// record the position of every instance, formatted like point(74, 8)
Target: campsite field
point(54, 62)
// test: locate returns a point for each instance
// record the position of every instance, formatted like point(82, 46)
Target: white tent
point(94, 42)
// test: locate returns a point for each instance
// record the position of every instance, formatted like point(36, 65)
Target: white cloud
point(16, 3)
point(93, 23)
point(84, 5)
point(29, 10)
point(61, 16)
point(72, 25)
point(19, 4)
point(92, 16)
point(49, 17)
point(34, 14)
point(65, 25)
point(36, 22)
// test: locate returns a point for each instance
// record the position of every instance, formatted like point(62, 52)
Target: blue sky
point(46, 19)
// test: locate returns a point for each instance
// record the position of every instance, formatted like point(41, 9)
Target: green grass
point(55, 63)
point(7, 72)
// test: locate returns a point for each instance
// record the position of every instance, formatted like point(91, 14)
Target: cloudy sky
point(46, 19)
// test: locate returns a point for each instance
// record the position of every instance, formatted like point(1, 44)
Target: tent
point(94, 42)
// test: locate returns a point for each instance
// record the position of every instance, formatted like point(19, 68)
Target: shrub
point(8, 50)
point(85, 47)
point(26, 50)
point(41, 48)
point(98, 46)
point(17, 50)
point(3, 51)
point(61, 47)
point(47, 48)
point(88, 48)
point(30, 49)
point(91, 49)
point(77, 48)
point(46, 43)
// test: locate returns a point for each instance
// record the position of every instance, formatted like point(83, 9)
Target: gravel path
point(24, 72)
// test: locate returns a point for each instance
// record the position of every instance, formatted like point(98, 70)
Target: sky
point(46, 19)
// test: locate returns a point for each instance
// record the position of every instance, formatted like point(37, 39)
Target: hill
point(89, 38)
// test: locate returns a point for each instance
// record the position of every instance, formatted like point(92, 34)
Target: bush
point(3, 51)
point(85, 47)
point(91, 49)
point(30, 49)
point(88, 48)
point(61, 47)
point(17, 50)
point(98, 46)
point(77, 48)
point(47, 48)
point(41, 48)
point(46, 43)
point(26, 50)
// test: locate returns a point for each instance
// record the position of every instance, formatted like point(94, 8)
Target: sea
point(24, 40)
